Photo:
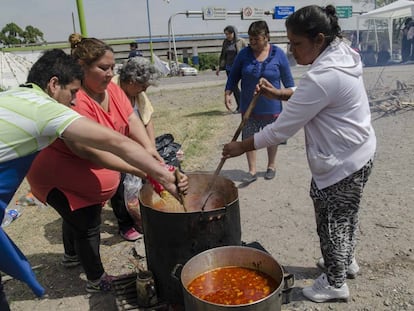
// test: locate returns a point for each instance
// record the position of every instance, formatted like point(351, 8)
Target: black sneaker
point(103, 284)
point(70, 261)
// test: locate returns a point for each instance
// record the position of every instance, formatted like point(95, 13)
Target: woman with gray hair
point(135, 76)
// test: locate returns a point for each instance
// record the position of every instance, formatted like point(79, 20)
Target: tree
point(32, 35)
point(12, 34)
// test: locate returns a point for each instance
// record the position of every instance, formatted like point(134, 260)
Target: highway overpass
point(200, 43)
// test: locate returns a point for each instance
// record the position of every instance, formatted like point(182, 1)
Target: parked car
point(187, 70)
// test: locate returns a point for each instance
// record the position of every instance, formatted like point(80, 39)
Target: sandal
point(270, 174)
point(250, 178)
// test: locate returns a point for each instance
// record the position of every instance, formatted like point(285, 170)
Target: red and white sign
point(252, 13)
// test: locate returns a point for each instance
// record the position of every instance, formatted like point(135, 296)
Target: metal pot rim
point(277, 291)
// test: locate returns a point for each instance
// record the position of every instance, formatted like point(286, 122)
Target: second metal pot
point(240, 256)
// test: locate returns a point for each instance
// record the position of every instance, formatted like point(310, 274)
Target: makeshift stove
point(173, 238)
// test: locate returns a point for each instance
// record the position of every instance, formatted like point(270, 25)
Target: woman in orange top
point(87, 177)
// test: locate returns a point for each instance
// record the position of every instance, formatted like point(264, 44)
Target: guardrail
point(206, 43)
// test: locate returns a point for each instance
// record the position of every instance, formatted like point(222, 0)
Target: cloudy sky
point(128, 18)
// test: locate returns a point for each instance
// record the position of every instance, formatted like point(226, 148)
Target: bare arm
point(237, 148)
point(103, 158)
point(268, 90)
point(138, 132)
point(94, 135)
point(228, 99)
point(151, 132)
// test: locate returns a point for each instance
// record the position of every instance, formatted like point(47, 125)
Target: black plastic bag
point(168, 149)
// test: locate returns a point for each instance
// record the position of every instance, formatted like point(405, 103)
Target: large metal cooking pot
point(240, 256)
point(172, 238)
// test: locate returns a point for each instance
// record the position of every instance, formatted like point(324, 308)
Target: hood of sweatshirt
point(236, 34)
point(339, 56)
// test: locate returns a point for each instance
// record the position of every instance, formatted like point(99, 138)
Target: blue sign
point(282, 12)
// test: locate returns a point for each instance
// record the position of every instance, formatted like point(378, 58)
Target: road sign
point(344, 11)
point(252, 13)
point(214, 13)
point(282, 12)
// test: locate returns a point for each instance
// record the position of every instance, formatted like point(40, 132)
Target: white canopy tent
point(397, 9)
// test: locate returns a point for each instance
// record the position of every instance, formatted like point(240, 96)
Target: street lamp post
point(171, 35)
point(149, 31)
point(81, 14)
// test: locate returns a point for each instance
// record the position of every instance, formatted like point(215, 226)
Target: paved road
point(372, 75)
point(205, 78)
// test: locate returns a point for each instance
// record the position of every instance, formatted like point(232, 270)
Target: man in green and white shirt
point(31, 118)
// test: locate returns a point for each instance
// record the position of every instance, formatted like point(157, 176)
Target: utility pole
point(81, 14)
point(149, 31)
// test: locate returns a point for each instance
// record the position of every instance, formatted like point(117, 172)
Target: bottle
point(10, 215)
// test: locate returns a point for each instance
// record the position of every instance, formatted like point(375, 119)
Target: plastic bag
point(132, 187)
point(169, 150)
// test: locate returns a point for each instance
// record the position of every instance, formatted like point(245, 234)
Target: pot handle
point(176, 271)
point(216, 214)
point(288, 283)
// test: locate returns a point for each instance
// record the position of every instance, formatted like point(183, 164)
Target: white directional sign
point(252, 13)
point(214, 13)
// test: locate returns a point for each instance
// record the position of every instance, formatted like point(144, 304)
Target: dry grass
point(195, 121)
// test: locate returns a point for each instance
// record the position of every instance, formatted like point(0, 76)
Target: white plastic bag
point(132, 187)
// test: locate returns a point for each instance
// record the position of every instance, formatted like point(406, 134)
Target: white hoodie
point(331, 103)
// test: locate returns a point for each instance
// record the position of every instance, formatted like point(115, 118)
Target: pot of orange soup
point(232, 277)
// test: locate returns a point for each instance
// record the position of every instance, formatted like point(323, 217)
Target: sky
point(107, 19)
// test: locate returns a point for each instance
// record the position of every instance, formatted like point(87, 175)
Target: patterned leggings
point(336, 212)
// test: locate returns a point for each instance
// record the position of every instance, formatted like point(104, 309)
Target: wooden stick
point(246, 116)
point(178, 178)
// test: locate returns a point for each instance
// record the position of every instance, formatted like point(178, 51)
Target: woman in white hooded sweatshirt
point(332, 106)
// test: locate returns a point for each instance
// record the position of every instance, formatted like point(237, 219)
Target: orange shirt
point(83, 182)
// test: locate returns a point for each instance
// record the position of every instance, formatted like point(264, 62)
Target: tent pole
point(390, 29)
point(358, 45)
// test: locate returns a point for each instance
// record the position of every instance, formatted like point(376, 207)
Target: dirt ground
point(278, 214)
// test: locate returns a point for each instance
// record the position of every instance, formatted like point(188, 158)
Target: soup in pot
point(232, 286)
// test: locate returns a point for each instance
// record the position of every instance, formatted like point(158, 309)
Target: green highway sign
point(344, 11)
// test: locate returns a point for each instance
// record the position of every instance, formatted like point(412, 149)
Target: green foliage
point(32, 35)
point(12, 34)
point(208, 61)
